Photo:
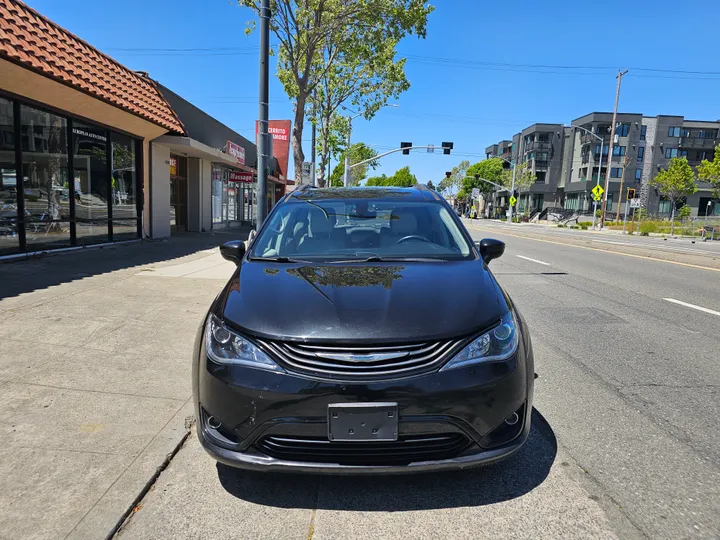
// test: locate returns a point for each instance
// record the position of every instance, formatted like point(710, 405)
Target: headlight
point(496, 344)
point(227, 347)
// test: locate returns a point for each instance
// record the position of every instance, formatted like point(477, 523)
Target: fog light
point(215, 423)
point(512, 419)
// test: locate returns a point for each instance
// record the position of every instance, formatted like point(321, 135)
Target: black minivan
point(362, 332)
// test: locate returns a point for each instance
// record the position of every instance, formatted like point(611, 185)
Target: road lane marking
point(693, 306)
point(533, 260)
point(598, 249)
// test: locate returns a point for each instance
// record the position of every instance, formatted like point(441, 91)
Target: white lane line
point(693, 306)
point(533, 260)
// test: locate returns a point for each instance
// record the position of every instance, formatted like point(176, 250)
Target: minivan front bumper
point(251, 405)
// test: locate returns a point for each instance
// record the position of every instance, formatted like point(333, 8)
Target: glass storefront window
point(9, 238)
point(124, 177)
point(45, 181)
point(91, 183)
point(217, 194)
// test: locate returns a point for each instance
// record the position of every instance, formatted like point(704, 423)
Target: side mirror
point(233, 251)
point(491, 249)
point(251, 236)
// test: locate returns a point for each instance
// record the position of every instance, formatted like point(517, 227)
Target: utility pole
point(512, 191)
point(263, 113)
point(610, 150)
point(346, 175)
point(626, 162)
point(313, 179)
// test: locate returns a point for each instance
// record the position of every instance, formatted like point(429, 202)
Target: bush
point(561, 226)
point(647, 227)
point(574, 227)
point(584, 226)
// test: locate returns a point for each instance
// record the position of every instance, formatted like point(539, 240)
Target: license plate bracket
point(362, 422)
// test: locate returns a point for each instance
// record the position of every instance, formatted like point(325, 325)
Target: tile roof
point(29, 39)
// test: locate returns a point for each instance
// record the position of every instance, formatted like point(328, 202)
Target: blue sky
point(475, 79)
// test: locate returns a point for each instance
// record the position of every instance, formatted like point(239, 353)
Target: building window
point(619, 150)
point(643, 132)
point(615, 172)
point(638, 174)
point(605, 151)
point(640, 153)
point(46, 190)
point(682, 153)
point(673, 131)
point(671, 152)
point(622, 130)
point(664, 206)
point(92, 188)
point(123, 181)
point(9, 240)
point(543, 137)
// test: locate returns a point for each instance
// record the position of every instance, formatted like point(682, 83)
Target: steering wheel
point(413, 237)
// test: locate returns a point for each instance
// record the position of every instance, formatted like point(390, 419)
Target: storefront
point(65, 181)
point(234, 194)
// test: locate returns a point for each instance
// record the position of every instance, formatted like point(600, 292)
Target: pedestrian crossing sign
point(597, 192)
point(513, 200)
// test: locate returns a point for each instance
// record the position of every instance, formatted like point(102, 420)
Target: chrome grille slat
point(327, 362)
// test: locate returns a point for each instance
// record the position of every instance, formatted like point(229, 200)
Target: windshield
point(361, 229)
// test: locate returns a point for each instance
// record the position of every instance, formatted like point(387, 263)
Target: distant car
point(362, 349)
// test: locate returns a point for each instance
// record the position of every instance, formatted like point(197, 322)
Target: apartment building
point(570, 160)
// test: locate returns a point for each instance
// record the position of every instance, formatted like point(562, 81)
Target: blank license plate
point(363, 422)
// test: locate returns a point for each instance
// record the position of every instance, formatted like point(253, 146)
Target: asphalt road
point(625, 443)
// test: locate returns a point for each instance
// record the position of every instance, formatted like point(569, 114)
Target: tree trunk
point(297, 132)
point(672, 219)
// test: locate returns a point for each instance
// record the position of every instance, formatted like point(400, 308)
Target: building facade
point(92, 152)
point(569, 160)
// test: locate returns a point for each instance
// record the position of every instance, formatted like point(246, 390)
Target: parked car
point(361, 348)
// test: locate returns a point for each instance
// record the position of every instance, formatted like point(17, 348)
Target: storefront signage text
point(235, 150)
point(84, 133)
point(173, 166)
point(279, 134)
point(236, 176)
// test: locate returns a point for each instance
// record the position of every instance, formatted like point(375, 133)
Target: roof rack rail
point(304, 187)
point(421, 186)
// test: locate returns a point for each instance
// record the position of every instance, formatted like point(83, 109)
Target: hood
point(379, 302)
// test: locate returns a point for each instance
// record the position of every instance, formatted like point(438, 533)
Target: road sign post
point(627, 203)
point(597, 192)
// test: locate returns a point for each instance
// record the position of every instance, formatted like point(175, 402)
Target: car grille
point(365, 363)
point(403, 451)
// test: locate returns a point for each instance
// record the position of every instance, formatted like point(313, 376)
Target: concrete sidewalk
point(95, 378)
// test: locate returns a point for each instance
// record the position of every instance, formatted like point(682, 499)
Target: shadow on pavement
point(509, 479)
point(18, 276)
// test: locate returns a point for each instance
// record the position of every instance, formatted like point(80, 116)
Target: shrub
point(644, 234)
point(584, 226)
point(561, 226)
point(647, 227)
point(574, 227)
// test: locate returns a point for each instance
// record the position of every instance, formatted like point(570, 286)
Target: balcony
point(537, 146)
point(586, 138)
point(697, 142)
point(541, 165)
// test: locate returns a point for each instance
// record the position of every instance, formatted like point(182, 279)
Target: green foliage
point(401, 178)
point(561, 226)
point(709, 171)
point(675, 182)
point(584, 226)
point(524, 177)
point(684, 212)
point(489, 169)
point(358, 152)
point(647, 227)
point(455, 182)
point(344, 49)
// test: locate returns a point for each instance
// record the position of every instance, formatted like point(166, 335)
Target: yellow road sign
point(513, 200)
point(597, 192)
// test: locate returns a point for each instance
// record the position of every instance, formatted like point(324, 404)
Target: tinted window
point(360, 228)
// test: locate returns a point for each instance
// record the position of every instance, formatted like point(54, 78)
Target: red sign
point(279, 130)
point(235, 150)
point(236, 176)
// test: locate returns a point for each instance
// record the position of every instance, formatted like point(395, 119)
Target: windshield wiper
point(378, 258)
point(281, 259)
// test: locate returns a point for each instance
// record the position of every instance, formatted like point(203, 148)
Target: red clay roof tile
point(28, 38)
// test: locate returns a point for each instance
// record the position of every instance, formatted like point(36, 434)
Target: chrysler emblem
point(377, 357)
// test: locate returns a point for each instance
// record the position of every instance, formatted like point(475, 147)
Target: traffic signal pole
point(401, 149)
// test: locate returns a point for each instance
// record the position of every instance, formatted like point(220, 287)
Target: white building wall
point(159, 192)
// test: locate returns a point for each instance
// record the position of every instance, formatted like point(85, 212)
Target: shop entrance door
point(178, 204)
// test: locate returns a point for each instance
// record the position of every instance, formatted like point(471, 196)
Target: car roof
point(414, 194)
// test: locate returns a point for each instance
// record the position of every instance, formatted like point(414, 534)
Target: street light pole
point(263, 146)
point(612, 142)
point(346, 173)
point(512, 191)
point(597, 183)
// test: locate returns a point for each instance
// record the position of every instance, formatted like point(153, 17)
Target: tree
point(445, 186)
point(430, 185)
point(675, 182)
point(709, 171)
point(524, 177)
point(401, 178)
point(358, 152)
point(457, 174)
point(315, 35)
point(489, 169)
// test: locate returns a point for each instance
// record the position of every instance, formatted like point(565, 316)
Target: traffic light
point(630, 194)
point(448, 174)
point(447, 146)
point(407, 145)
